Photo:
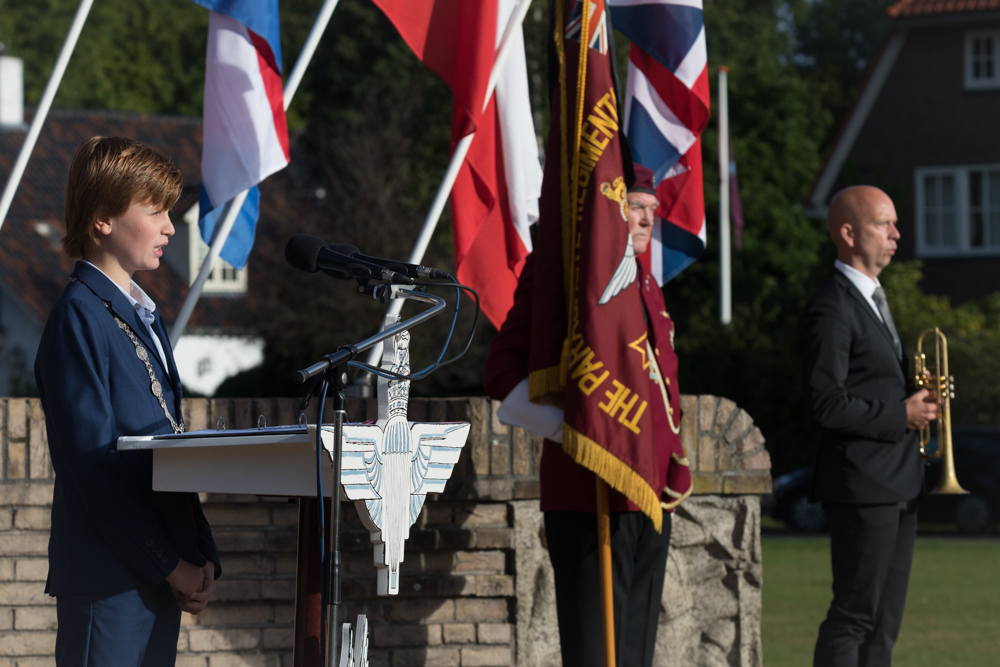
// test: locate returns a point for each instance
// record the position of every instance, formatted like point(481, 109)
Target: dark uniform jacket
point(110, 530)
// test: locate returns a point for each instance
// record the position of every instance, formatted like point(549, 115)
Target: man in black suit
point(869, 473)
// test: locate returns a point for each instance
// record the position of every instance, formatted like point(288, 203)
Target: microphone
point(339, 260)
point(411, 270)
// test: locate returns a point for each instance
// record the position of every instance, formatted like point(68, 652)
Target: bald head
point(862, 224)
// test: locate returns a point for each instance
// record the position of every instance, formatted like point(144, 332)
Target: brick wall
point(457, 603)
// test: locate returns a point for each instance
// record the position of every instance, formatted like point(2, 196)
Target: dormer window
point(223, 278)
point(982, 60)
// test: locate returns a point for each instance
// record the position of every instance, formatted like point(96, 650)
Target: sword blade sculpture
point(389, 467)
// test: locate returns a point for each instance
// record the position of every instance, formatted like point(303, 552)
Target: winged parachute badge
point(389, 467)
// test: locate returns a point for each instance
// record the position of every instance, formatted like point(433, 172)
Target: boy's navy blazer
point(855, 387)
point(110, 530)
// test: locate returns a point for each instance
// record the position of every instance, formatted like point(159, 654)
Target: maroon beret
point(643, 180)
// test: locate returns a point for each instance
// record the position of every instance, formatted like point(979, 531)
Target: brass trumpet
point(940, 383)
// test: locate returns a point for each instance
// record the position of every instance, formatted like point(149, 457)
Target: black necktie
point(883, 307)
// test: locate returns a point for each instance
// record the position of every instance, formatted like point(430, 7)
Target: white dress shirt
point(865, 284)
point(145, 307)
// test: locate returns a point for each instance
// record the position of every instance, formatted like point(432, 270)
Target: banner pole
point(222, 231)
point(455, 164)
point(725, 264)
point(604, 564)
point(42, 112)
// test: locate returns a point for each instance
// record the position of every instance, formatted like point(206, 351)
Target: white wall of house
point(204, 361)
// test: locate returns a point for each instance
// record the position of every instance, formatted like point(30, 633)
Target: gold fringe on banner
point(612, 470)
point(544, 382)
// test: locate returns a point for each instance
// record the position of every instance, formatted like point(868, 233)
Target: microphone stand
point(334, 366)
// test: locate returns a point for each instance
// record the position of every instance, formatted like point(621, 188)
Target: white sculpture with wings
point(389, 467)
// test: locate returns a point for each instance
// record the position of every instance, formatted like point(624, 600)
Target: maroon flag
point(588, 333)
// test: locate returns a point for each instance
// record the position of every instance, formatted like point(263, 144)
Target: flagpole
point(221, 233)
point(14, 180)
point(725, 266)
point(455, 165)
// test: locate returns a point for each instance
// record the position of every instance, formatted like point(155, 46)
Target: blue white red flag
point(666, 109)
point(245, 136)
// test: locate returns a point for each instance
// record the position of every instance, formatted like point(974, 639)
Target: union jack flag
point(666, 109)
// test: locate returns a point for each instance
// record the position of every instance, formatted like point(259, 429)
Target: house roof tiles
point(31, 261)
point(907, 8)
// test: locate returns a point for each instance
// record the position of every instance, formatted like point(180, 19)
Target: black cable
point(419, 375)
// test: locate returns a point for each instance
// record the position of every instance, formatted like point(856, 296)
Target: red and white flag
point(495, 197)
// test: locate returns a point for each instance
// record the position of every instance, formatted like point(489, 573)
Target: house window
point(223, 278)
point(982, 60)
point(958, 211)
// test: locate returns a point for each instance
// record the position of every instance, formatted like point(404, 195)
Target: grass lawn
point(952, 609)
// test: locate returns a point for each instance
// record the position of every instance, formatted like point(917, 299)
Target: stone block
point(739, 427)
point(220, 407)
point(235, 590)
point(421, 611)
point(223, 639)
point(29, 544)
point(406, 635)
point(689, 428)
point(419, 657)
point(499, 455)
point(17, 419)
point(277, 589)
point(438, 411)
point(520, 441)
point(283, 516)
point(706, 453)
point(526, 489)
point(479, 440)
point(38, 443)
point(195, 412)
point(216, 614)
point(20, 495)
point(493, 489)
point(706, 413)
point(495, 425)
point(481, 514)
point(459, 633)
point(723, 415)
point(238, 564)
point(494, 633)
point(493, 538)
point(494, 585)
point(704, 483)
point(220, 516)
point(35, 618)
point(758, 460)
point(480, 561)
point(278, 638)
point(750, 441)
point(6, 620)
point(14, 644)
point(187, 660)
point(6, 519)
point(6, 569)
point(238, 541)
point(745, 483)
point(31, 569)
point(487, 656)
point(245, 660)
point(33, 518)
point(481, 610)
point(17, 459)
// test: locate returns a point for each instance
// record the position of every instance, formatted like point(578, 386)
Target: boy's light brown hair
point(108, 174)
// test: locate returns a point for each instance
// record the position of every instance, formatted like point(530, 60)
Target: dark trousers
point(638, 566)
point(122, 629)
point(871, 550)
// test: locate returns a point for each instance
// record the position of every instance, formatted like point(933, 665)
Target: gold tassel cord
point(616, 473)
